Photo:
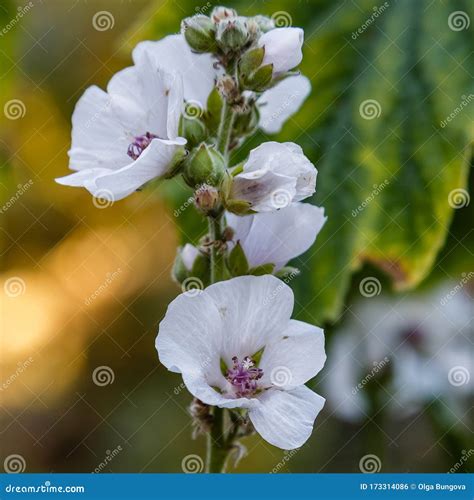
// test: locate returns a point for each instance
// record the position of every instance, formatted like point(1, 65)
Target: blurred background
point(389, 125)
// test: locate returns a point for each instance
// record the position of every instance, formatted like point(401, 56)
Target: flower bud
point(232, 34)
point(247, 121)
point(200, 33)
point(220, 13)
point(253, 74)
point(205, 165)
point(282, 48)
point(206, 198)
point(193, 129)
point(228, 88)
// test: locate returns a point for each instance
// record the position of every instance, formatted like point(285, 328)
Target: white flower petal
point(98, 137)
point(254, 310)
point(285, 418)
point(153, 162)
point(295, 358)
point(274, 175)
point(189, 335)
point(277, 236)
point(282, 48)
point(188, 255)
point(199, 387)
point(172, 53)
point(280, 102)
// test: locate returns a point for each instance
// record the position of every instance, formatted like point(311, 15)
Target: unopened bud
point(228, 88)
point(193, 129)
point(252, 74)
point(232, 34)
point(205, 165)
point(206, 198)
point(200, 33)
point(220, 13)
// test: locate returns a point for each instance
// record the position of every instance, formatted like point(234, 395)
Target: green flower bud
point(247, 122)
point(194, 130)
point(232, 34)
point(252, 75)
point(205, 165)
point(213, 113)
point(200, 33)
point(220, 13)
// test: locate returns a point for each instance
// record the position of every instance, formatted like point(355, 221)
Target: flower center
point(141, 142)
point(413, 336)
point(243, 376)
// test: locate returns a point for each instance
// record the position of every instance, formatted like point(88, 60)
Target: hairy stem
point(225, 129)
point(217, 447)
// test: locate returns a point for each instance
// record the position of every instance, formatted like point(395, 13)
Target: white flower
point(172, 53)
point(282, 48)
point(415, 341)
point(232, 321)
point(274, 175)
point(279, 236)
point(126, 136)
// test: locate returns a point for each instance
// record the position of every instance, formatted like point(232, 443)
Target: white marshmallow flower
point(282, 49)
point(235, 322)
point(199, 72)
point(274, 175)
point(126, 136)
point(279, 236)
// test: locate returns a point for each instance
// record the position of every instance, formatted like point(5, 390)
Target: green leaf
point(237, 261)
point(389, 164)
point(261, 270)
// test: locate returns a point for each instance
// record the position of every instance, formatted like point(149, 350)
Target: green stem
point(217, 257)
point(225, 129)
point(217, 447)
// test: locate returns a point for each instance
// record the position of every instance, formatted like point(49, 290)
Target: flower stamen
point(141, 142)
point(243, 376)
